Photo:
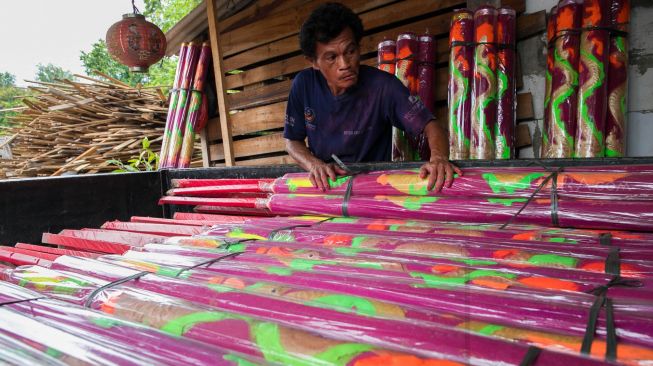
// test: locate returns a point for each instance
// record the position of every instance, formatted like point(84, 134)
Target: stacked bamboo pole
point(77, 127)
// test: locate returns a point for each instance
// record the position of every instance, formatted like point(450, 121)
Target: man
point(349, 110)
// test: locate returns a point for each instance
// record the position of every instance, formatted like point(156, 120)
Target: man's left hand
point(440, 173)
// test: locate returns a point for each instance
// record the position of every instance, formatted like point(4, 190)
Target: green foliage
point(7, 79)
point(148, 160)
point(98, 58)
point(50, 73)
point(166, 13)
point(10, 97)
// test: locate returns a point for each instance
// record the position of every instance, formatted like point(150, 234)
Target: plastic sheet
point(564, 83)
point(461, 58)
point(592, 89)
point(270, 340)
point(506, 85)
point(550, 35)
point(596, 185)
point(484, 89)
point(103, 333)
point(590, 214)
point(406, 72)
point(348, 303)
point(386, 56)
point(615, 136)
point(554, 313)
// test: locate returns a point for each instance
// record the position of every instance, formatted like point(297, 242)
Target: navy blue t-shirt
point(357, 125)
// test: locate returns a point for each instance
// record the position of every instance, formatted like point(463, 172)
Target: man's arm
point(439, 170)
point(319, 171)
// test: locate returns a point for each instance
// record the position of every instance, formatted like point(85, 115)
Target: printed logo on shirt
point(309, 115)
point(309, 118)
point(415, 109)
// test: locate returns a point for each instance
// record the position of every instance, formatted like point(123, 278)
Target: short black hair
point(325, 23)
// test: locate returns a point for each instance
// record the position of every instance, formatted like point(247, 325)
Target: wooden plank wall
point(261, 42)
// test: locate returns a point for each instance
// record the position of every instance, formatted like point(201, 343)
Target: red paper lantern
point(135, 42)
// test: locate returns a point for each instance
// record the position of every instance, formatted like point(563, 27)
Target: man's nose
point(343, 62)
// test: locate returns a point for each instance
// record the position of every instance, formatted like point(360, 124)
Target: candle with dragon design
point(386, 56)
point(174, 97)
point(461, 58)
point(550, 35)
point(178, 125)
point(615, 129)
point(506, 86)
point(182, 153)
point(484, 88)
point(592, 89)
point(564, 82)
point(406, 72)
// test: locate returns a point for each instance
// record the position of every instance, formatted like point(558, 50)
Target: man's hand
point(440, 173)
point(320, 171)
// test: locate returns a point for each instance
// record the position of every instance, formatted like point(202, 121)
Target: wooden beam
point(223, 109)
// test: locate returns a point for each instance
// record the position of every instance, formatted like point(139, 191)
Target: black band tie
point(531, 356)
point(605, 239)
point(590, 329)
point(616, 281)
point(612, 262)
point(208, 262)
point(274, 232)
point(11, 302)
point(554, 199)
point(91, 297)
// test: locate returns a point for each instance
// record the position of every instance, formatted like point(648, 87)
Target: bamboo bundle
point(77, 127)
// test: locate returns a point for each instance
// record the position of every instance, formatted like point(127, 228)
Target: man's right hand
point(320, 172)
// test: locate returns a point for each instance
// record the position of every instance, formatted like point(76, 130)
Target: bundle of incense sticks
point(506, 85)
point(187, 112)
point(550, 35)
point(406, 72)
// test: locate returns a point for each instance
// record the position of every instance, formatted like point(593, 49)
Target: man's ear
point(312, 61)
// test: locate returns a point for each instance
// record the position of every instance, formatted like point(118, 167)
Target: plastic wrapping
point(484, 89)
point(347, 303)
point(591, 214)
point(461, 58)
point(564, 82)
point(615, 128)
point(406, 72)
point(386, 57)
point(592, 89)
point(596, 185)
point(182, 153)
point(552, 313)
point(274, 341)
point(506, 85)
point(142, 345)
point(550, 60)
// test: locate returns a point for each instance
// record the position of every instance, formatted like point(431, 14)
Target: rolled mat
point(564, 82)
point(615, 128)
point(592, 89)
point(484, 89)
point(506, 86)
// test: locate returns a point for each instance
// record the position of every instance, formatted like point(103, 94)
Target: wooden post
point(218, 68)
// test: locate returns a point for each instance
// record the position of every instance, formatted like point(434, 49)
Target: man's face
point(338, 61)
